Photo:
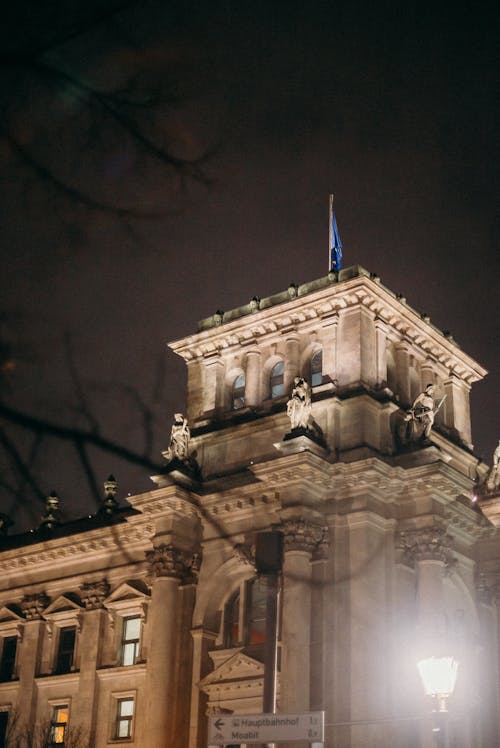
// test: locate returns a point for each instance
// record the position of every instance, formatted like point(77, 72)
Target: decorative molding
point(169, 561)
point(303, 535)
point(33, 606)
point(426, 544)
point(245, 554)
point(93, 594)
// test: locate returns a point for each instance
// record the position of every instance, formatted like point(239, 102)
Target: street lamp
point(439, 675)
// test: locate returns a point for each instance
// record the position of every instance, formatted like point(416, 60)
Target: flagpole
point(330, 233)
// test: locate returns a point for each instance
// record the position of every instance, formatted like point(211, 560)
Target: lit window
point(255, 619)
point(66, 649)
point(277, 380)
point(239, 392)
point(131, 636)
point(317, 368)
point(9, 648)
point(124, 717)
point(251, 599)
point(58, 724)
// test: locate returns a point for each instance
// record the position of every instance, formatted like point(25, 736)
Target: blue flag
point(335, 243)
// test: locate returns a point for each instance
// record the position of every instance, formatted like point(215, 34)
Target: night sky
point(394, 108)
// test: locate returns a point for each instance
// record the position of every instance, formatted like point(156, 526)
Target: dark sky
point(395, 108)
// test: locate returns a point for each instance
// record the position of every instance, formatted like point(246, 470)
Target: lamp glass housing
point(439, 675)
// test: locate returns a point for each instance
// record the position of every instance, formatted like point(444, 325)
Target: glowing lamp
point(439, 675)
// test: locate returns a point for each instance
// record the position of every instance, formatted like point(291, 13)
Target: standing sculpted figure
point(423, 409)
point(298, 408)
point(493, 481)
point(179, 439)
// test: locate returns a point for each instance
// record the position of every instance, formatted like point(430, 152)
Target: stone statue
point(493, 481)
point(298, 408)
point(423, 410)
point(179, 439)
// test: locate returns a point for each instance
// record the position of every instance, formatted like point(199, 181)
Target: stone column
point(203, 641)
point(30, 655)
point(169, 566)
point(213, 384)
point(381, 352)
point(301, 539)
point(456, 407)
point(427, 549)
point(403, 372)
point(329, 340)
point(252, 378)
point(92, 624)
point(292, 361)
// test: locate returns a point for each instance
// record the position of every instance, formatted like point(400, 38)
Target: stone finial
point(425, 544)
point(254, 304)
point(5, 523)
point(218, 317)
point(302, 535)
point(93, 594)
point(293, 290)
point(51, 517)
point(109, 504)
point(169, 561)
point(33, 606)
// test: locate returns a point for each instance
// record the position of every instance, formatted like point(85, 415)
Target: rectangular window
point(124, 717)
point(66, 649)
point(9, 648)
point(58, 724)
point(131, 636)
point(4, 718)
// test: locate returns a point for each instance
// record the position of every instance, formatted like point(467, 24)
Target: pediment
point(130, 594)
point(9, 620)
point(238, 667)
point(61, 605)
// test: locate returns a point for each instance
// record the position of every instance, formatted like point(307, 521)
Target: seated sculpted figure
point(493, 481)
point(298, 408)
point(179, 439)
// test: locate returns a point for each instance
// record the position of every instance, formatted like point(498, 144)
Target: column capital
point(174, 563)
point(33, 606)
point(93, 594)
point(425, 544)
point(303, 535)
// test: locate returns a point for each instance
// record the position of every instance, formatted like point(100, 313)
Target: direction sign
point(227, 729)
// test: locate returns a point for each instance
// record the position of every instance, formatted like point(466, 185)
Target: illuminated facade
point(134, 625)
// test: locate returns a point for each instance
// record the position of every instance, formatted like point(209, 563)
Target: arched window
point(317, 368)
point(277, 380)
point(245, 614)
point(239, 392)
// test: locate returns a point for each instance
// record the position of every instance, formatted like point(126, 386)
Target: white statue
point(179, 439)
point(493, 481)
point(298, 408)
point(423, 409)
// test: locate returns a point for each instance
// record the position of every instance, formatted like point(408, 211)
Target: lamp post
point(439, 675)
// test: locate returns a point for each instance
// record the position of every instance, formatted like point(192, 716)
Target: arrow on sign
point(219, 724)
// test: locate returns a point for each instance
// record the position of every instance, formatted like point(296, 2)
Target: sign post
point(228, 729)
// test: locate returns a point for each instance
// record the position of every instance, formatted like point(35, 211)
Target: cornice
point(35, 559)
point(360, 291)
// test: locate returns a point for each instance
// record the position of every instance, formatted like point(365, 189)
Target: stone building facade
point(134, 625)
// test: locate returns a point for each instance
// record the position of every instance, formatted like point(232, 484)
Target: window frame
point(4, 677)
point(135, 641)
point(56, 724)
point(242, 594)
point(59, 669)
point(277, 388)
point(116, 718)
point(238, 392)
point(316, 372)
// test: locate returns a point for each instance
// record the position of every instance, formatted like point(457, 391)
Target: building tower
point(386, 555)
